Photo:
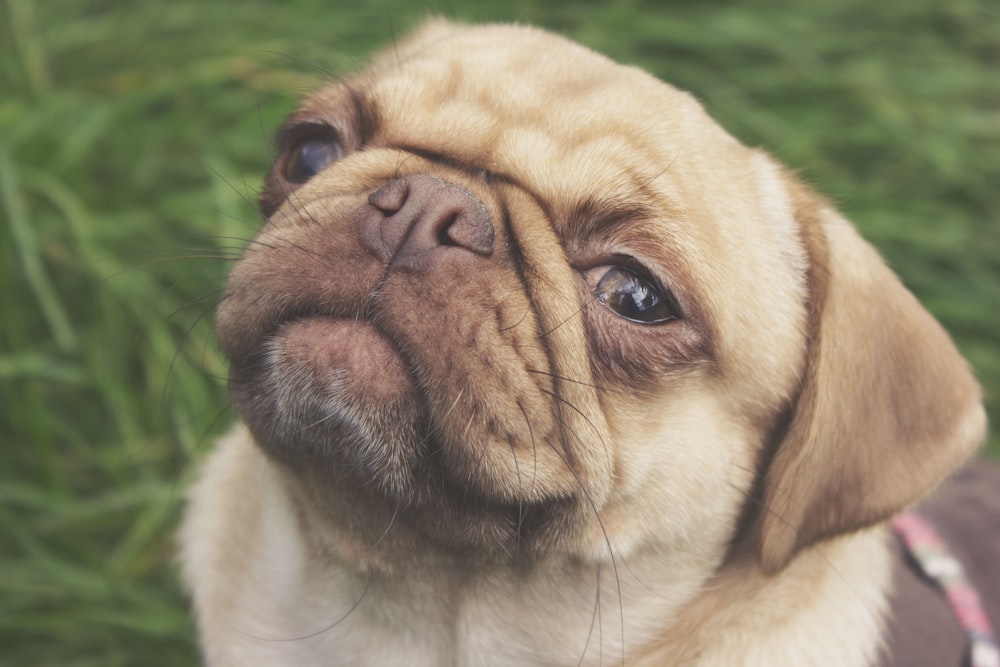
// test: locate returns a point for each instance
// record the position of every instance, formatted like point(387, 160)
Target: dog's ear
point(887, 407)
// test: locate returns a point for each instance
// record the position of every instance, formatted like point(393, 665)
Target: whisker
point(569, 317)
point(582, 383)
point(524, 316)
point(392, 520)
point(534, 448)
point(593, 617)
point(604, 532)
point(583, 415)
point(520, 499)
point(364, 593)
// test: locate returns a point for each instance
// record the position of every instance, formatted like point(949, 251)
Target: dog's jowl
point(537, 365)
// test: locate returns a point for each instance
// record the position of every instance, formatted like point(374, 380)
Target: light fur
point(708, 494)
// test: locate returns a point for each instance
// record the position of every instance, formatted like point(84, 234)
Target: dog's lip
point(364, 361)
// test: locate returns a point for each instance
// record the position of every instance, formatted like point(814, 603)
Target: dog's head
point(511, 297)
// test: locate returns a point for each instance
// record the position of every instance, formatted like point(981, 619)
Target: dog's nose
point(416, 220)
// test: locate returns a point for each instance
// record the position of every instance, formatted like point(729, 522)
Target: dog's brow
point(366, 119)
point(600, 215)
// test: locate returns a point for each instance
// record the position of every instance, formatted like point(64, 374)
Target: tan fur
point(473, 462)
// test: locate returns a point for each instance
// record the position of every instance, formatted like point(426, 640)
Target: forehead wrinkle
point(482, 107)
point(477, 103)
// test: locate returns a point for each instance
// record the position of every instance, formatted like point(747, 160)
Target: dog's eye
point(312, 154)
point(634, 297)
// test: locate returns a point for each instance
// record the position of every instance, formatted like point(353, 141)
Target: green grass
point(133, 137)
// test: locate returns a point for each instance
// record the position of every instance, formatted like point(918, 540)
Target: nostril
point(444, 237)
point(470, 228)
point(390, 198)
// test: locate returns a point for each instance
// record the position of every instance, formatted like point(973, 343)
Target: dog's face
point(512, 299)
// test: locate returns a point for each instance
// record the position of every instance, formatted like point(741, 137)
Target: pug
point(537, 365)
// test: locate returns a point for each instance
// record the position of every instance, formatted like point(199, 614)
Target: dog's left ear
point(887, 409)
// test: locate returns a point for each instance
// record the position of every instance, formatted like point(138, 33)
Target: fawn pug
point(537, 365)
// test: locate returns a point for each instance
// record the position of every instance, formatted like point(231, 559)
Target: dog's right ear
point(887, 409)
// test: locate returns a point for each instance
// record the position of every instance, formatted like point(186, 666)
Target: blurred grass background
point(133, 138)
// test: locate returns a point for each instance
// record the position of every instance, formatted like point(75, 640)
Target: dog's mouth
point(334, 397)
point(403, 409)
point(338, 401)
point(349, 354)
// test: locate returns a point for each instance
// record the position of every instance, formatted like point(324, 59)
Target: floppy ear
point(887, 409)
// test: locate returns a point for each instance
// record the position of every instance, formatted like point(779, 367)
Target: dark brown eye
point(635, 297)
point(312, 154)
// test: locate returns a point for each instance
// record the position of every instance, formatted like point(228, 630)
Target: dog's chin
point(335, 403)
point(334, 393)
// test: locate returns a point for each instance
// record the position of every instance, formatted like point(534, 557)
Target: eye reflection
point(634, 297)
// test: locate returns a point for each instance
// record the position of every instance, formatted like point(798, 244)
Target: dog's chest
point(297, 616)
point(345, 620)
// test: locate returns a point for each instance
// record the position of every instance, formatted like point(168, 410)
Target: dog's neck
point(826, 608)
point(302, 606)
